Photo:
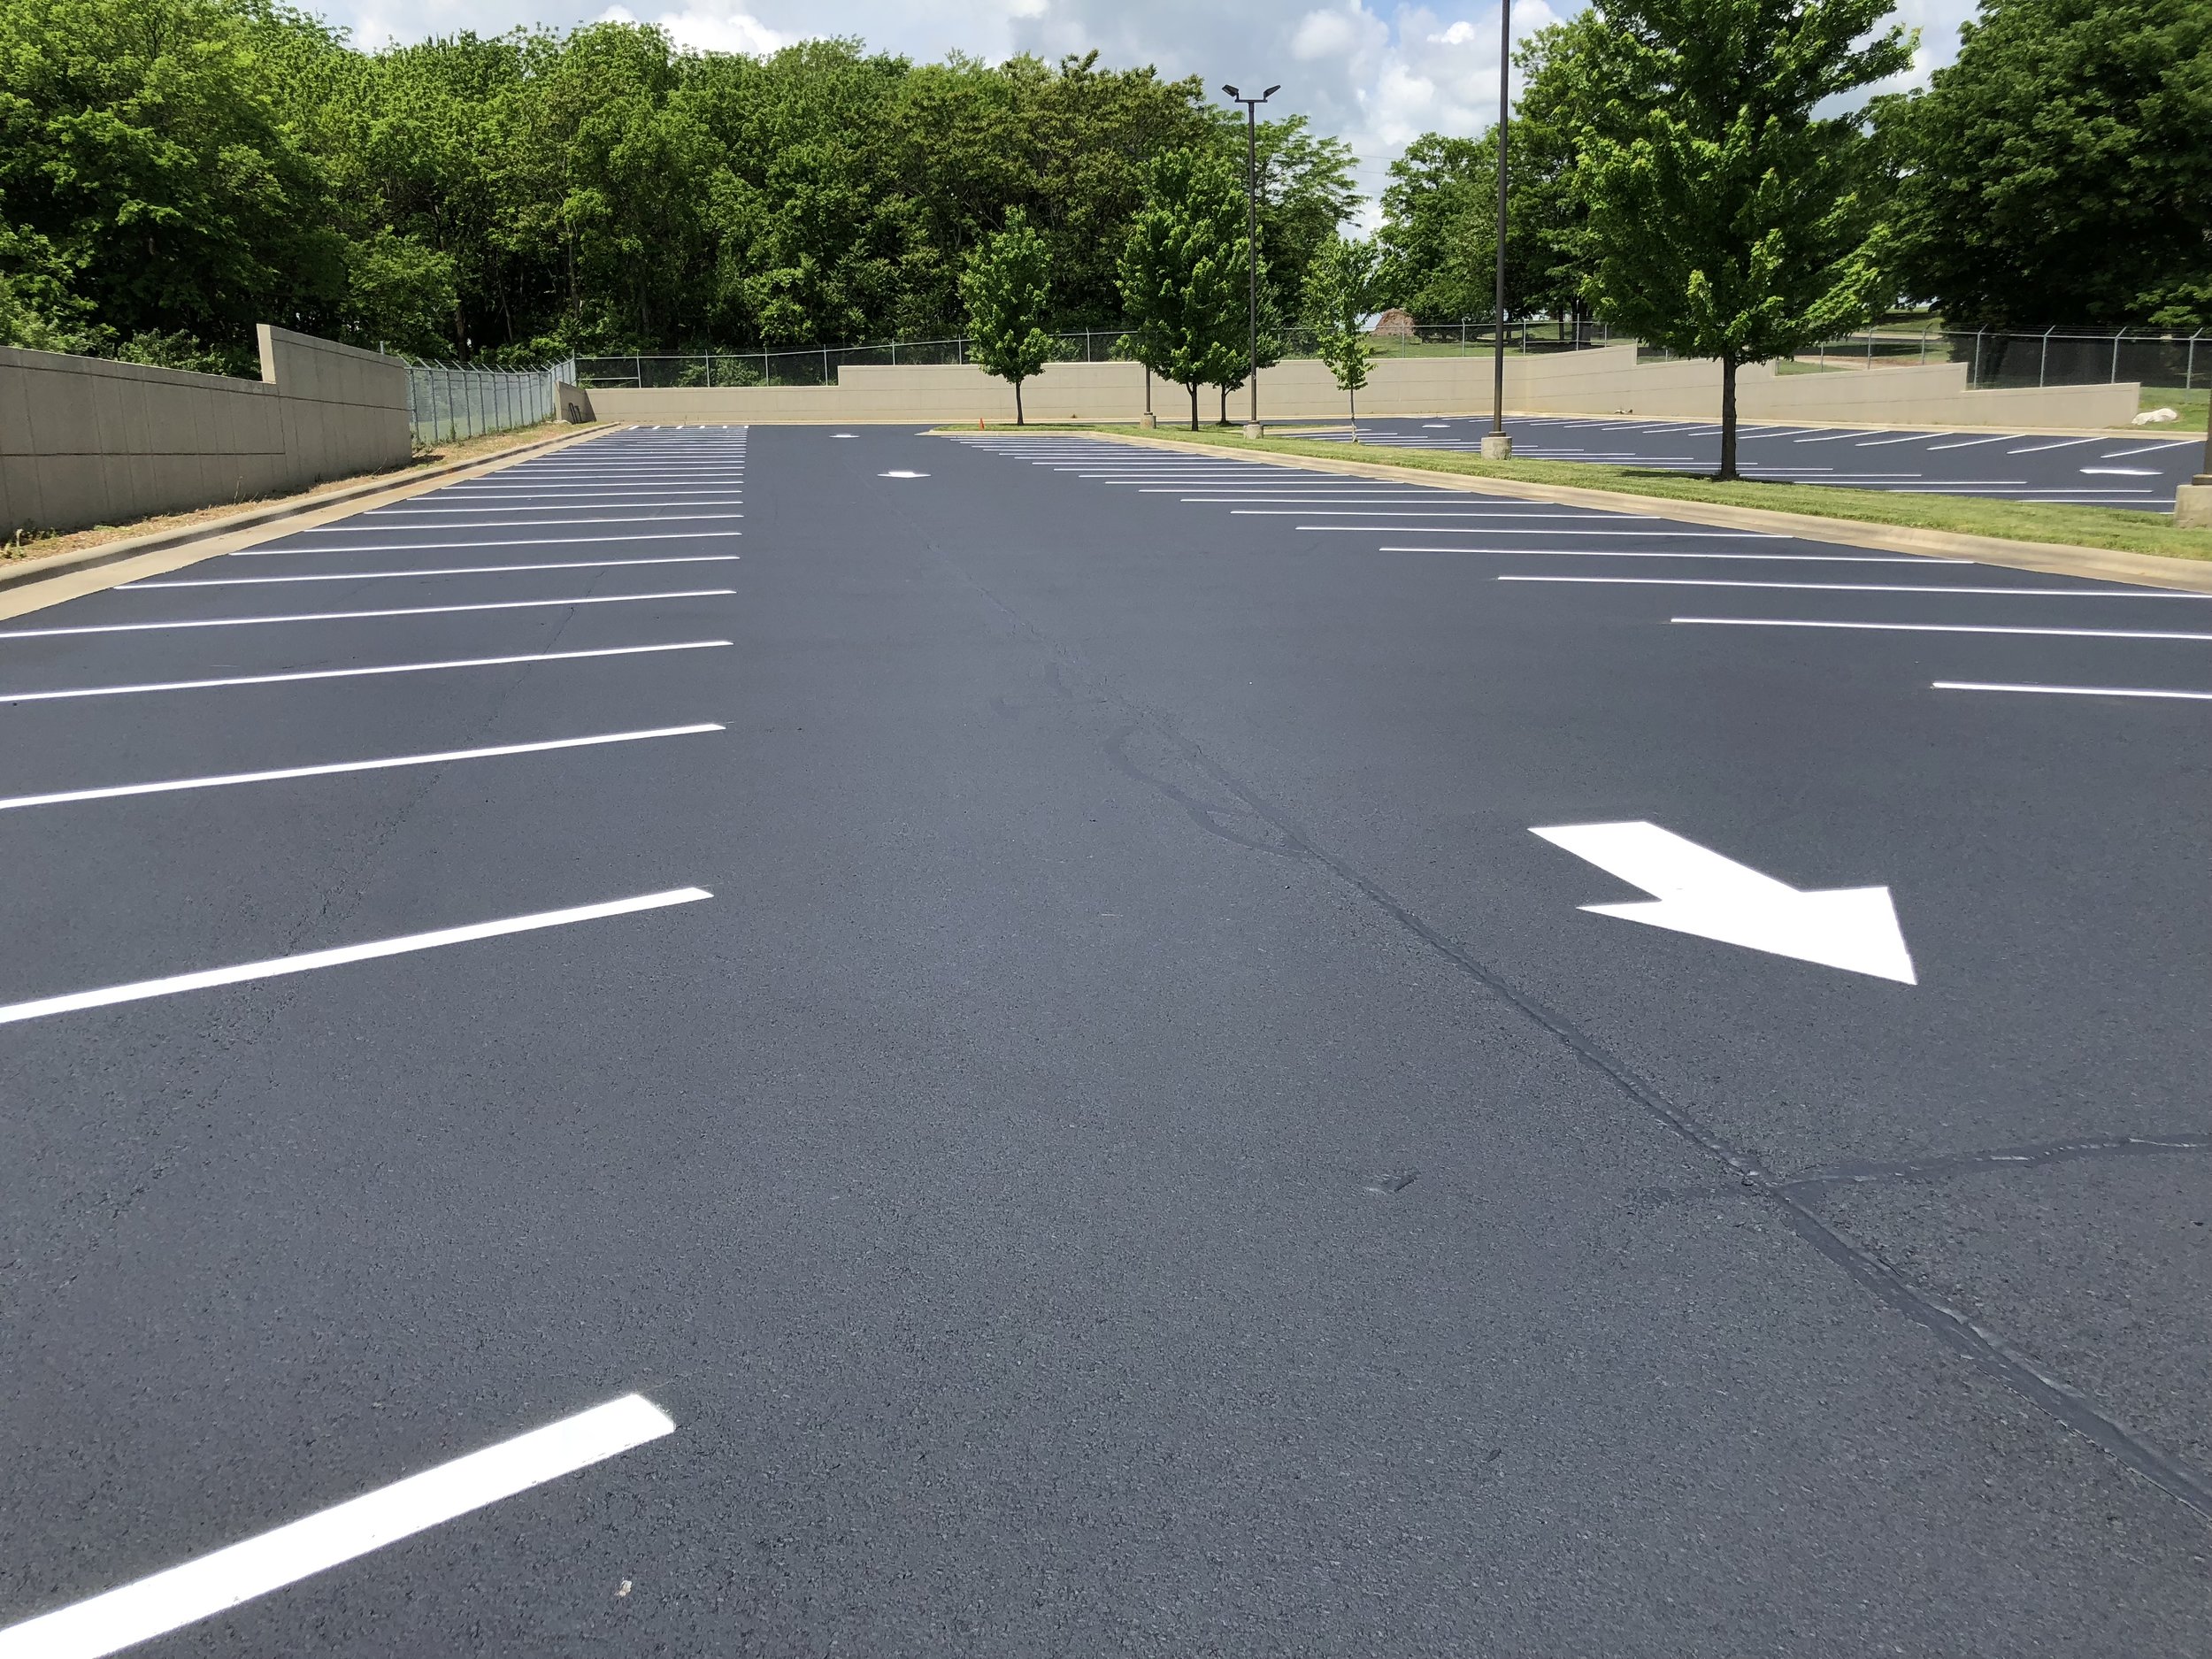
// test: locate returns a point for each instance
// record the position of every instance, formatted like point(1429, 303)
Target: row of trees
point(173, 170)
point(2059, 172)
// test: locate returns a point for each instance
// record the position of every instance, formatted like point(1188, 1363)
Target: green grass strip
point(2125, 530)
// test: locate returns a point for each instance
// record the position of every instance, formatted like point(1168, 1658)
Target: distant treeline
point(172, 171)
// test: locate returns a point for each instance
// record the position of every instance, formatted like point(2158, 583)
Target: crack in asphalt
point(1790, 1200)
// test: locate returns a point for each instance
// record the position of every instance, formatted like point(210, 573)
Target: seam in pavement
point(2145, 570)
point(2033, 1157)
point(66, 576)
point(1981, 1348)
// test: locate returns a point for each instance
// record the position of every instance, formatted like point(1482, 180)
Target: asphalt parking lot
point(2116, 469)
point(786, 1040)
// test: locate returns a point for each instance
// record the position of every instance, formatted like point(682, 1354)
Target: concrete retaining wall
point(1604, 382)
point(84, 440)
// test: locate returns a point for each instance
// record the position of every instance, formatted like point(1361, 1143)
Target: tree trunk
point(1224, 405)
point(1727, 417)
point(1194, 405)
point(1017, 405)
point(1354, 398)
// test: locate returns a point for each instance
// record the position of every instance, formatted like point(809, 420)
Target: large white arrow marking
point(1697, 891)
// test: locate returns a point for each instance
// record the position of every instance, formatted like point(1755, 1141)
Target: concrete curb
point(2145, 570)
point(130, 547)
point(43, 583)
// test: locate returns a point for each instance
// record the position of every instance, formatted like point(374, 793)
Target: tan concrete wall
point(84, 440)
point(1604, 382)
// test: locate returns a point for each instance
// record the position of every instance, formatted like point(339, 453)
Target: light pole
point(1496, 445)
point(1252, 239)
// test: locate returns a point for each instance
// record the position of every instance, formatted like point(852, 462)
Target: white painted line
point(1867, 588)
point(228, 1577)
point(1832, 437)
point(1698, 536)
point(1968, 443)
point(902, 474)
point(2149, 449)
point(277, 967)
point(1936, 627)
point(1439, 512)
point(2064, 443)
point(549, 506)
point(453, 569)
point(1668, 553)
point(353, 673)
point(357, 615)
point(1910, 437)
point(2122, 472)
point(441, 547)
point(115, 791)
point(535, 524)
point(2071, 691)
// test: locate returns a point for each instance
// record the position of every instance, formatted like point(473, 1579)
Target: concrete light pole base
point(1252, 429)
point(2192, 504)
point(1151, 420)
point(1497, 446)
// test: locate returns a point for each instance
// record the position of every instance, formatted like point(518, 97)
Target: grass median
point(2124, 530)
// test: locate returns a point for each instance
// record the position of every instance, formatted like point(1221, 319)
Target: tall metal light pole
point(1496, 445)
point(1252, 239)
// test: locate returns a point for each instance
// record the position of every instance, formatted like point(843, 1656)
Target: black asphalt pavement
point(2138, 469)
point(1142, 1151)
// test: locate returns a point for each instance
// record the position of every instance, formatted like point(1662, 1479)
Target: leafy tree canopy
point(1008, 287)
point(2060, 171)
point(1185, 279)
point(1724, 216)
point(191, 167)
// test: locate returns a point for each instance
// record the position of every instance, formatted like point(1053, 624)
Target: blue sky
point(1376, 74)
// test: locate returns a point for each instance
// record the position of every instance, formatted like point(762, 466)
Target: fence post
point(2043, 363)
point(2189, 372)
point(2115, 379)
point(825, 380)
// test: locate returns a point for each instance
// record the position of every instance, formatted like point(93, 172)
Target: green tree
point(1183, 274)
point(1724, 216)
point(1441, 207)
point(2060, 171)
point(1008, 287)
point(1340, 286)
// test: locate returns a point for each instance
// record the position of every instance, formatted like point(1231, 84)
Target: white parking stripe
point(2002, 437)
point(356, 616)
point(451, 570)
point(1936, 627)
point(113, 792)
point(548, 506)
point(1868, 587)
point(2071, 691)
point(1673, 553)
point(2064, 443)
point(1695, 535)
point(275, 967)
point(216, 1583)
point(442, 547)
point(354, 673)
point(532, 524)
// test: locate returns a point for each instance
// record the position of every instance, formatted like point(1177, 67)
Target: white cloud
point(706, 27)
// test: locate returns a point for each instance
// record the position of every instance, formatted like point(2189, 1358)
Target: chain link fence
point(2161, 359)
point(2166, 360)
point(445, 403)
point(819, 365)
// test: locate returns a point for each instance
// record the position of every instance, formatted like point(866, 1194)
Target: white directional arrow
point(1697, 891)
